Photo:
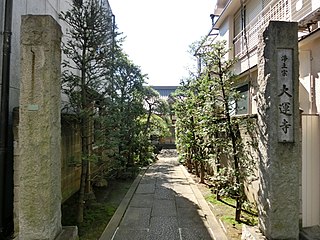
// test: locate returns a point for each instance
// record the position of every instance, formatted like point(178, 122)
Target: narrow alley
point(163, 203)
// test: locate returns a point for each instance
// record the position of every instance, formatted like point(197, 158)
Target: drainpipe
point(313, 94)
point(313, 108)
point(4, 111)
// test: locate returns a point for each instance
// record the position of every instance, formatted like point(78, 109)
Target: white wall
point(23, 7)
point(315, 4)
point(309, 74)
point(310, 171)
point(253, 8)
point(310, 68)
point(224, 32)
point(315, 71)
point(305, 78)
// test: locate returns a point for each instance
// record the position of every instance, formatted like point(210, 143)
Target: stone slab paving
point(310, 233)
point(164, 203)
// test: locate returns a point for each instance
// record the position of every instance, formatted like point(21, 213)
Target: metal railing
point(247, 40)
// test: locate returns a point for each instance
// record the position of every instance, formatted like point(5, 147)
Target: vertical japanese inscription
point(285, 95)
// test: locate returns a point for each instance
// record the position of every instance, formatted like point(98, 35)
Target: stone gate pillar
point(39, 129)
point(279, 123)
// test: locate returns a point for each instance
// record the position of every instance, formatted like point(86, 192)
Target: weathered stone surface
point(68, 233)
point(183, 216)
point(136, 218)
point(135, 234)
point(164, 193)
point(40, 129)
point(186, 201)
point(251, 233)
point(195, 233)
point(142, 200)
point(146, 188)
point(164, 208)
point(280, 162)
point(164, 228)
point(190, 217)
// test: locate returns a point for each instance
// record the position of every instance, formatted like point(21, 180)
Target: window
point(239, 25)
point(243, 104)
point(245, 30)
point(239, 21)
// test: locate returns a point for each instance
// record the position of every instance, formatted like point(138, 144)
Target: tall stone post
point(40, 129)
point(279, 140)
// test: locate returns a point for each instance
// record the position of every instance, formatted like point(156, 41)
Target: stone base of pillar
point(68, 233)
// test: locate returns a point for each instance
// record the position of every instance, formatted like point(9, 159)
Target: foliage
point(206, 129)
point(98, 212)
point(155, 124)
point(87, 48)
point(223, 210)
point(122, 108)
point(128, 125)
point(94, 220)
point(104, 92)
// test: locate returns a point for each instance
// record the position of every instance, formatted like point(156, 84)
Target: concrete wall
point(249, 139)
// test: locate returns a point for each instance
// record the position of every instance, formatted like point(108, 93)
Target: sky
point(159, 33)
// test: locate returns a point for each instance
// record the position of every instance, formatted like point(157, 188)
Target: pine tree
point(88, 50)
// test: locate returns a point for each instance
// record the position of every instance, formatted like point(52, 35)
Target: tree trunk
point(189, 162)
point(84, 167)
point(218, 165)
point(238, 209)
point(233, 135)
point(202, 172)
point(218, 197)
point(85, 126)
point(90, 130)
point(148, 118)
point(81, 198)
point(196, 166)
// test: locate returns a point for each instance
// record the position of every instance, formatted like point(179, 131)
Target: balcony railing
point(247, 40)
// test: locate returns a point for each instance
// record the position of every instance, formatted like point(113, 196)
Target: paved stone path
point(163, 204)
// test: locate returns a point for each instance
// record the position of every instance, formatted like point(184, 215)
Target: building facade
point(240, 23)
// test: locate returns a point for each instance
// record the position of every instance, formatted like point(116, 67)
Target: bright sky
point(159, 33)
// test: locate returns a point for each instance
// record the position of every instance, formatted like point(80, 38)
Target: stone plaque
point(285, 95)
